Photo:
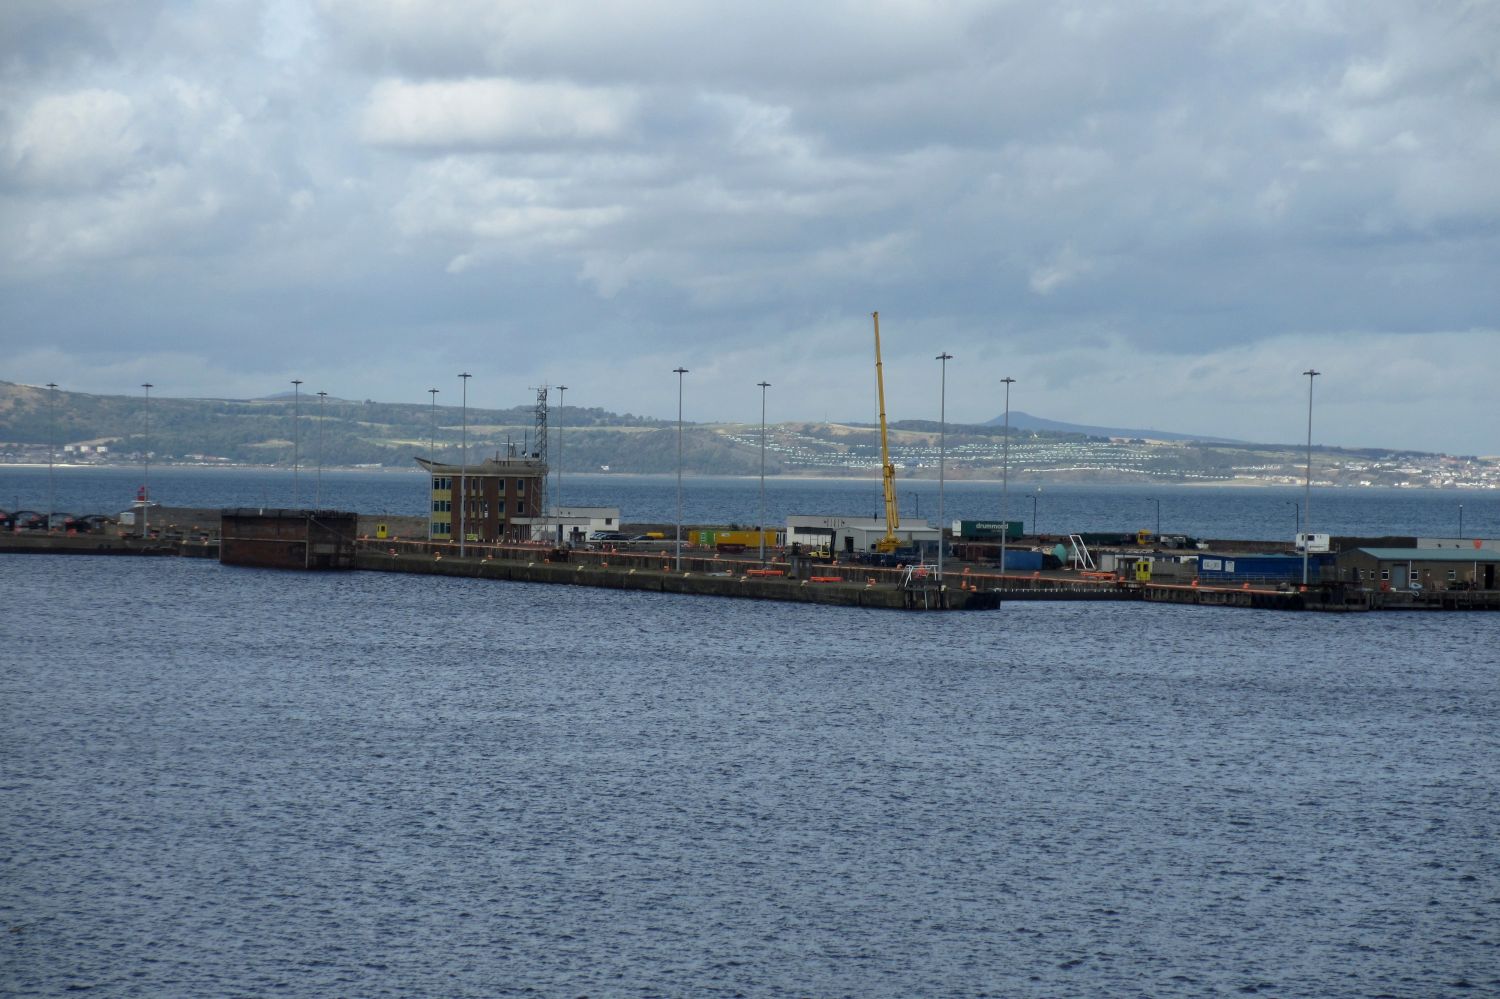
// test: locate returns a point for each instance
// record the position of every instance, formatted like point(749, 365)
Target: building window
point(1452, 575)
point(521, 486)
point(1385, 574)
point(520, 508)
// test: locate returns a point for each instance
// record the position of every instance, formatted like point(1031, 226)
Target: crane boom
point(890, 542)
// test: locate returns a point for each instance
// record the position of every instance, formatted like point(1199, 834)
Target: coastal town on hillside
point(843, 450)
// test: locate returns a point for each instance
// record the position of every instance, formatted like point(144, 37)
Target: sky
point(1153, 214)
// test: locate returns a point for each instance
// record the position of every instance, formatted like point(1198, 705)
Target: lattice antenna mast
point(539, 443)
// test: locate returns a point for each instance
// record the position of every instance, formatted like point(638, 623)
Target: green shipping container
point(984, 530)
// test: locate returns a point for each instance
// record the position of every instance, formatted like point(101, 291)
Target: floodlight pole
point(432, 456)
point(762, 531)
point(319, 501)
point(146, 460)
point(463, 468)
point(1307, 495)
point(1005, 481)
point(1158, 519)
point(943, 359)
point(679, 372)
point(562, 394)
point(52, 450)
point(296, 440)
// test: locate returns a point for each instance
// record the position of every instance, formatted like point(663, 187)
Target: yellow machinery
point(890, 542)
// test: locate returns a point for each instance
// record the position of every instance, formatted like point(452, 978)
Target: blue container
point(1021, 561)
point(1253, 568)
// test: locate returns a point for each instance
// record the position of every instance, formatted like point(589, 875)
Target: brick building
point(491, 500)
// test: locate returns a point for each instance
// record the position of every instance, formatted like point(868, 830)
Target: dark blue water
point(1197, 511)
point(235, 782)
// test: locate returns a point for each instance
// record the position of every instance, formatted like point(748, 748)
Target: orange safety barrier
point(825, 579)
point(765, 572)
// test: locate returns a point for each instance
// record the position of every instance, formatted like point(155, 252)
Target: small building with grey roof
point(1432, 568)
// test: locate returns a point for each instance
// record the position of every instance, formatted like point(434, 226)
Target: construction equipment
point(890, 542)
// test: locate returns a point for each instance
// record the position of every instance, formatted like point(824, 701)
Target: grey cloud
point(1088, 182)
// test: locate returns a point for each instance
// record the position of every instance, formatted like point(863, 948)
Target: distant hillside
point(102, 429)
point(1025, 421)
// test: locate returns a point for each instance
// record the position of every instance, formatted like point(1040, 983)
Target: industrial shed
point(1431, 568)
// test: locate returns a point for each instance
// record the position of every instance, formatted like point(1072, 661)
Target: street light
point(296, 439)
point(432, 449)
point(943, 358)
point(1036, 529)
point(146, 475)
point(463, 468)
point(1158, 518)
point(763, 387)
point(1307, 496)
point(52, 450)
point(1460, 521)
point(1005, 480)
point(679, 372)
point(319, 501)
point(1297, 516)
point(557, 502)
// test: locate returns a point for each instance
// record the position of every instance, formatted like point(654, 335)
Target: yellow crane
point(890, 542)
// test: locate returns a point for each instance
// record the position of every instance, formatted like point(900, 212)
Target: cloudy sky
point(1148, 214)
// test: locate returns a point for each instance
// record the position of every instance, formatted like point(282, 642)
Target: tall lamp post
point(463, 468)
point(296, 439)
point(432, 451)
point(562, 391)
point(319, 501)
point(1297, 517)
point(1460, 521)
point(762, 531)
point(1158, 518)
point(679, 372)
point(1035, 527)
point(1005, 479)
point(146, 475)
point(1307, 494)
point(52, 450)
point(943, 359)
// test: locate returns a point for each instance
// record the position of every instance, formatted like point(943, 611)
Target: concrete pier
point(716, 582)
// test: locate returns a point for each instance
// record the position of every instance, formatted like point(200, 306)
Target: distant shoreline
point(1018, 485)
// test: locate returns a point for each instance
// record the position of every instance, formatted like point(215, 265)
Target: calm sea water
point(1196, 511)
point(221, 781)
